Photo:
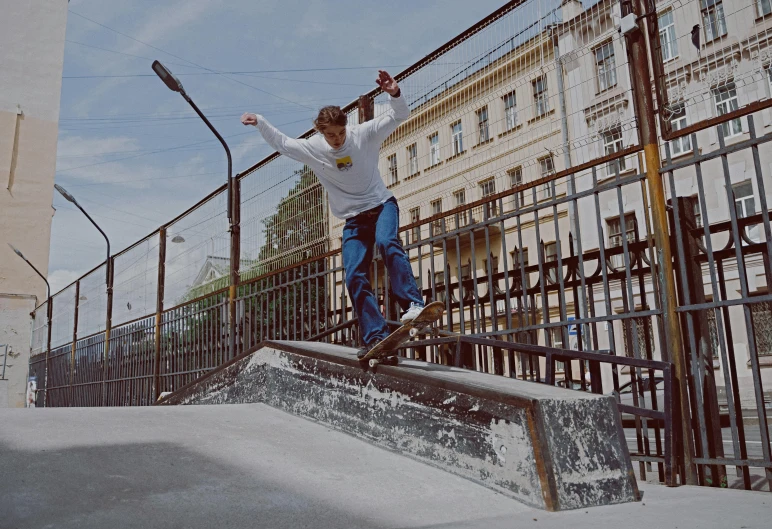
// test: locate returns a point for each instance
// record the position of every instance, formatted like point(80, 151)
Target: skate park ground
point(250, 465)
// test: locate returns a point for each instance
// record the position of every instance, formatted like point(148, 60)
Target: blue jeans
point(376, 227)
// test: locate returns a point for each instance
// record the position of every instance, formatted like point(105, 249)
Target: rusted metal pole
point(108, 326)
point(366, 108)
point(644, 107)
point(74, 343)
point(159, 312)
point(235, 229)
point(49, 317)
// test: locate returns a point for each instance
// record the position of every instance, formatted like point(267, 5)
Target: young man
point(345, 159)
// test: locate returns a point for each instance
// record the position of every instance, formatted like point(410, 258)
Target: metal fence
point(549, 237)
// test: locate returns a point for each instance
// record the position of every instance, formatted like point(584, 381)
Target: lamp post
point(49, 314)
point(175, 85)
point(108, 282)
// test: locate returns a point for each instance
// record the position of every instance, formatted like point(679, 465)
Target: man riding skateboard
point(345, 159)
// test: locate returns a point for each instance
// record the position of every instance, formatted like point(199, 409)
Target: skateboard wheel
point(373, 362)
point(413, 332)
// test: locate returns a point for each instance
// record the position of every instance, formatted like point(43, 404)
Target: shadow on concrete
point(147, 485)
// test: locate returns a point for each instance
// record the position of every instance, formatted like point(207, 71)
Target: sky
point(134, 153)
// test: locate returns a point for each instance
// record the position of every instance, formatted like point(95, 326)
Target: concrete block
point(548, 447)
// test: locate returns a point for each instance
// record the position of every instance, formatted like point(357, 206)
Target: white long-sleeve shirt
point(349, 174)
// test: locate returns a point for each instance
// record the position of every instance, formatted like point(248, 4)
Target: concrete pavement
point(253, 466)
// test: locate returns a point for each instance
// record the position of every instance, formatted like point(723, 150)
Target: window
point(540, 97)
point(726, 101)
point(415, 216)
point(458, 138)
point(615, 236)
point(677, 122)
point(494, 265)
point(436, 209)
point(515, 254)
point(434, 149)
point(516, 179)
point(745, 206)
point(510, 111)
point(556, 335)
point(547, 166)
point(482, 124)
point(713, 20)
point(710, 314)
point(393, 179)
point(551, 256)
point(644, 336)
point(459, 198)
point(763, 7)
point(466, 271)
point(762, 327)
point(769, 78)
point(667, 36)
point(612, 143)
point(488, 188)
point(412, 159)
point(697, 211)
point(605, 66)
point(516, 275)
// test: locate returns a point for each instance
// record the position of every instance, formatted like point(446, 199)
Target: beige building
point(502, 125)
point(31, 61)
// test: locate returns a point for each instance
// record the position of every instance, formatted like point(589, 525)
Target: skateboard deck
point(385, 352)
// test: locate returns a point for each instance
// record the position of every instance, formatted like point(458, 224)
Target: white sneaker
point(411, 313)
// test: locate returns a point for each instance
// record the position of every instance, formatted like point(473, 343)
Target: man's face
point(335, 136)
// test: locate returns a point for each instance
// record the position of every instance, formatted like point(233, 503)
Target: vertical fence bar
point(74, 343)
point(235, 229)
point(49, 317)
point(108, 326)
point(159, 312)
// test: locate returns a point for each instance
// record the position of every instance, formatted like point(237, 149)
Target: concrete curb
point(548, 447)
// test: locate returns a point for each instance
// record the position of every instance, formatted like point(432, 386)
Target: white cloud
point(58, 279)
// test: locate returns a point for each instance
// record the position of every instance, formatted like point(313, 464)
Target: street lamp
point(175, 85)
point(108, 281)
point(178, 239)
point(49, 314)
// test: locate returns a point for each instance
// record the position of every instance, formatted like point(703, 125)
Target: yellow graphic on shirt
point(344, 164)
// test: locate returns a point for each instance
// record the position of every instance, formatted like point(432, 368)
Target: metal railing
point(556, 276)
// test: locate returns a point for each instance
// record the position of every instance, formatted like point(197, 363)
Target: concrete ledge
point(548, 447)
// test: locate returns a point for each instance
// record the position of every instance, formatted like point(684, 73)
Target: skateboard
point(384, 352)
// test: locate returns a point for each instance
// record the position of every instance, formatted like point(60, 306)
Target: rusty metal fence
point(552, 254)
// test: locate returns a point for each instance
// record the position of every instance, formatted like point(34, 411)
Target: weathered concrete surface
point(547, 447)
point(245, 466)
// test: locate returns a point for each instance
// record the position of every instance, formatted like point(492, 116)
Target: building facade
point(31, 62)
point(559, 96)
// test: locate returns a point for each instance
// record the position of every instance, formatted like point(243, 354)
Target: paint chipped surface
point(478, 438)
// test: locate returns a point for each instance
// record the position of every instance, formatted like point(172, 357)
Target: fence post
point(691, 292)
point(49, 317)
point(74, 343)
point(235, 229)
point(159, 312)
point(644, 111)
point(366, 107)
point(108, 326)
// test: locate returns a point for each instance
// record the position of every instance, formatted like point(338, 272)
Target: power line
point(186, 60)
point(179, 147)
point(148, 153)
point(122, 53)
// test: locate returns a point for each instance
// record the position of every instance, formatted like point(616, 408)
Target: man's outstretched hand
point(387, 83)
point(249, 119)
